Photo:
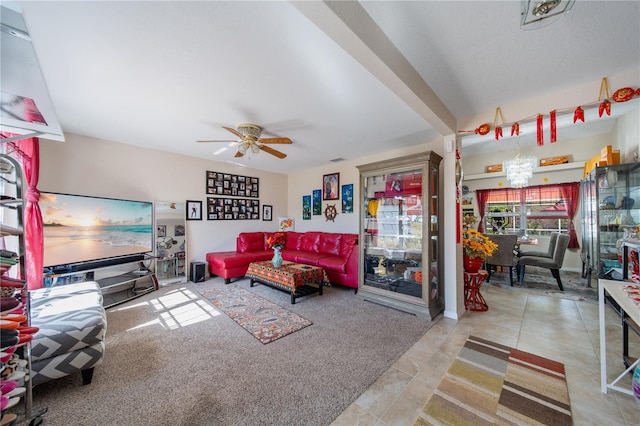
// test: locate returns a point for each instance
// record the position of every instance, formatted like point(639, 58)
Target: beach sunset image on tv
point(81, 228)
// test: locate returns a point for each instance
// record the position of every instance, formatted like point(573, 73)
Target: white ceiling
point(165, 74)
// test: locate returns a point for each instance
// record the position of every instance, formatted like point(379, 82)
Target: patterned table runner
point(289, 276)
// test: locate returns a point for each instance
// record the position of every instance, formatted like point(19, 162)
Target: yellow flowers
point(475, 244)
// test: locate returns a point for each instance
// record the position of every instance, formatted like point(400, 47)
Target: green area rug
point(540, 281)
point(266, 321)
point(489, 383)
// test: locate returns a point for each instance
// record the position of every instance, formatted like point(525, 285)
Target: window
point(534, 211)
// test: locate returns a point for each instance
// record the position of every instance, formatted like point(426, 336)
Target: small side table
point(473, 299)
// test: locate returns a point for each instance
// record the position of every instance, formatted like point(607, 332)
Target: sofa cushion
point(330, 243)
point(333, 263)
point(293, 240)
point(230, 259)
point(310, 242)
point(349, 241)
point(250, 241)
point(306, 257)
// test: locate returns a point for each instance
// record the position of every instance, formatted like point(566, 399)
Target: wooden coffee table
point(294, 278)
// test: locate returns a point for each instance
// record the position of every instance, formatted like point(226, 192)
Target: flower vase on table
point(277, 257)
point(476, 247)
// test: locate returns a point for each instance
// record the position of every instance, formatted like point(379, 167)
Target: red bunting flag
point(540, 135)
point(552, 116)
point(578, 115)
point(515, 129)
point(605, 106)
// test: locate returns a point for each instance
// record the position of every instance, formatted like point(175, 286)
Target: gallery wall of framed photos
point(219, 208)
point(232, 185)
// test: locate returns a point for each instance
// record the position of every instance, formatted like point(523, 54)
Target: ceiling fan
point(251, 142)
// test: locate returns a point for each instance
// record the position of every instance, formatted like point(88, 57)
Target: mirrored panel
point(171, 242)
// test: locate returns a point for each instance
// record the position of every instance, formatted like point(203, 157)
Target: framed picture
point(331, 186)
point(194, 210)
point(232, 209)
point(347, 198)
point(267, 212)
point(233, 185)
point(306, 207)
point(179, 231)
point(317, 202)
point(162, 231)
point(286, 224)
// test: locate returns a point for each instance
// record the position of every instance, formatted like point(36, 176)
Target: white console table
point(616, 291)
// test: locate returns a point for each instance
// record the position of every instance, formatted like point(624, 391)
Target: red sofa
point(336, 253)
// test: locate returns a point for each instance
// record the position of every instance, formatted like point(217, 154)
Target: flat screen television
point(83, 232)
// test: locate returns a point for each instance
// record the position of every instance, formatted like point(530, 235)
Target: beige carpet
point(172, 358)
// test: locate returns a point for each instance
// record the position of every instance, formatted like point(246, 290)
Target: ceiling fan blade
point(217, 141)
point(273, 151)
point(234, 131)
point(275, 140)
point(239, 154)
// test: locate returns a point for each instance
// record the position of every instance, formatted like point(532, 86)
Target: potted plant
point(476, 247)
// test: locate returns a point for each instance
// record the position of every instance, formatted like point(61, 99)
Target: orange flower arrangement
point(276, 240)
point(474, 244)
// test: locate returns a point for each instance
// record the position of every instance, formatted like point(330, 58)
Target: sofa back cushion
point(310, 242)
point(250, 241)
point(349, 241)
point(330, 243)
point(293, 240)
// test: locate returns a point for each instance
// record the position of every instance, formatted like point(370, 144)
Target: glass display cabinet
point(401, 247)
point(610, 201)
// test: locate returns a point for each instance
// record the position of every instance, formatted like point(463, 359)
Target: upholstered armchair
point(553, 263)
point(553, 238)
point(504, 256)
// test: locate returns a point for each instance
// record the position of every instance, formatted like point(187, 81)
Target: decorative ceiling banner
point(603, 103)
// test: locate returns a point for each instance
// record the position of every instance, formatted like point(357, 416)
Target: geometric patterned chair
point(73, 326)
point(553, 263)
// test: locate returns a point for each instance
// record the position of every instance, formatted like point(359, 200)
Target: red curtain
point(482, 195)
point(27, 152)
point(571, 194)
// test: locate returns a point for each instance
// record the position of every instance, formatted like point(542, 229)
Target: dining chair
point(553, 238)
point(553, 264)
point(504, 256)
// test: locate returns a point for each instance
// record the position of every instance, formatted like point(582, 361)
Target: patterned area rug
point(540, 281)
point(489, 383)
point(266, 321)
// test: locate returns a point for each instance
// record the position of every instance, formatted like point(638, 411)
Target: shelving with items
point(610, 198)
point(15, 325)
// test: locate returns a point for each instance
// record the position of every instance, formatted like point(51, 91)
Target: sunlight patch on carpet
point(265, 320)
point(489, 383)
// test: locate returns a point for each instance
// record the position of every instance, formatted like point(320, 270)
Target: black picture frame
point(161, 231)
point(194, 210)
point(267, 212)
point(331, 186)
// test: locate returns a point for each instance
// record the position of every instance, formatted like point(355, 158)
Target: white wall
point(88, 166)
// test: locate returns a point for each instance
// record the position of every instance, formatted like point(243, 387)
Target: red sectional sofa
point(336, 253)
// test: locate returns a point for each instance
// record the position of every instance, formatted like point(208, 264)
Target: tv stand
point(117, 288)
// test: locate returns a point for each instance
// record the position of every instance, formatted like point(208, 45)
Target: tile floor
point(556, 328)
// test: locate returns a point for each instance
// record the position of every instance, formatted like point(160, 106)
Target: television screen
point(80, 228)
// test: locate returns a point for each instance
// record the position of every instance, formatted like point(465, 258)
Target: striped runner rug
point(489, 383)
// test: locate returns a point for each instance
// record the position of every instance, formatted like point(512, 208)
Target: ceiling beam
point(349, 25)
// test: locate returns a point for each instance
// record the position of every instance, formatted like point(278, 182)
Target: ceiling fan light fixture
point(540, 13)
point(255, 148)
point(243, 147)
point(252, 130)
